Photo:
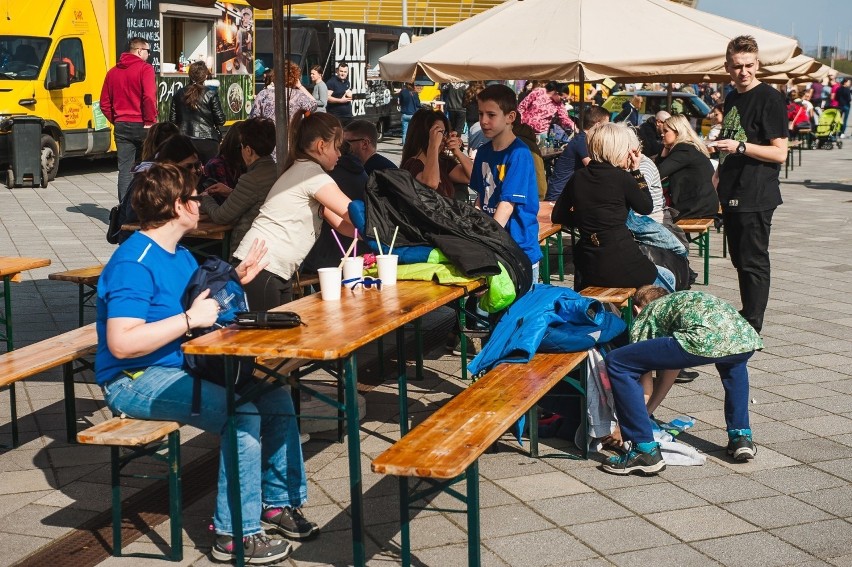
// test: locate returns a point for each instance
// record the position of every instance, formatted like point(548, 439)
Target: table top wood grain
point(205, 229)
point(334, 329)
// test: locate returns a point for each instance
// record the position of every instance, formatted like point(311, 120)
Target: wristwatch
point(741, 148)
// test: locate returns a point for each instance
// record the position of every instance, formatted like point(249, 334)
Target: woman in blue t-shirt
point(141, 325)
point(409, 103)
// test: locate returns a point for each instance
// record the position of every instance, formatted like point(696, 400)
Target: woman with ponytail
point(198, 113)
point(291, 217)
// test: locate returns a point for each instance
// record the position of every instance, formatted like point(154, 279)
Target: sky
point(800, 18)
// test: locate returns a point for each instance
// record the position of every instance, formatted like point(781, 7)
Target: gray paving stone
point(579, 509)
point(753, 549)
point(825, 425)
point(541, 486)
point(837, 501)
point(650, 498)
point(826, 539)
point(792, 480)
point(680, 555)
point(776, 511)
point(633, 534)
point(547, 547)
point(703, 522)
point(730, 488)
point(813, 450)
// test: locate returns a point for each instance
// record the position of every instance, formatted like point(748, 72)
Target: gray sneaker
point(637, 462)
point(258, 549)
point(289, 522)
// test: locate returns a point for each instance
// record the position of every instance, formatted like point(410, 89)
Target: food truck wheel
point(10, 178)
point(49, 159)
point(380, 128)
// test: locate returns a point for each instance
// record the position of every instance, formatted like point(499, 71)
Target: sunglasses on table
point(366, 281)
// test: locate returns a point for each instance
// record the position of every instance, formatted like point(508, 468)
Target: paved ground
point(791, 506)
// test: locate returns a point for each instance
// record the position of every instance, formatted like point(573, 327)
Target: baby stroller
point(828, 130)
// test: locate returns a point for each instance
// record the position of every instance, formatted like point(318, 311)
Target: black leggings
point(267, 291)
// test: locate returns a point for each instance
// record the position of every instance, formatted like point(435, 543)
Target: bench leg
point(404, 528)
point(418, 338)
point(175, 496)
point(232, 461)
point(402, 381)
point(463, 337)
point(380, 348)
point(70, 402)
point(115, 478)
point(341, 399)
point(474, 552)
point(705, 239)
point(560, 261)
point(532, 419)
point(544, 272)
point(13, 413)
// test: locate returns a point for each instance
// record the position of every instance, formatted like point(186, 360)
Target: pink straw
point(340, 244)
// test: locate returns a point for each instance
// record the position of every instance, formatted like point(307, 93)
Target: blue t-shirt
point(509, 175)
point(566, 164)
point(141, 281)
point(409, 101)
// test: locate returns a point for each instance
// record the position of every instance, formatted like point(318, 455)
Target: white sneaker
point(304, 438)
point(842, 135)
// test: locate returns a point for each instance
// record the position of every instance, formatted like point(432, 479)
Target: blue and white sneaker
point(635, 461)
point(740, 445)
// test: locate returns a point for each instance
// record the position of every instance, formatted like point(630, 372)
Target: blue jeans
point(626, 364)
point(406, 118)
point(272, 470)
point(129, 137)
point(845, 111)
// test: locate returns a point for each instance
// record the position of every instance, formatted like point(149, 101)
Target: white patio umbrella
point(586, 39)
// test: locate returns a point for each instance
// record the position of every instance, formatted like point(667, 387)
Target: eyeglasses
point(366, 281)
point(194, 166)
point(144, 49)
point(352, 141)
point(196, 198)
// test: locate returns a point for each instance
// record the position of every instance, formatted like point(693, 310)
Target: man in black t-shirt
point(752, 145)
point(340, 94)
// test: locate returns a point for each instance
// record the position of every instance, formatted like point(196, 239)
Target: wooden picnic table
point(333, 331)
point(206, 230)
point(10, 270)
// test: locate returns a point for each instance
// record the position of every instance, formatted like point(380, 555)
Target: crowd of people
point(621, 185)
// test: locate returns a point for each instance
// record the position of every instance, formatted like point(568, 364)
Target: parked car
point(687, 104)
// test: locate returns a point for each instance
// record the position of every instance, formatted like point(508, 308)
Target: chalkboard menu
point(138, 18)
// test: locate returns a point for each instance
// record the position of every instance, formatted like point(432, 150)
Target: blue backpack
point(221, 279)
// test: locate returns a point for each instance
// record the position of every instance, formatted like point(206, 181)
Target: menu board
point(138, 18)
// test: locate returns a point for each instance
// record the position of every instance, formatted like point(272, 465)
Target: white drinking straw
point(395, 230)
point(346, 254)
point(378, 242)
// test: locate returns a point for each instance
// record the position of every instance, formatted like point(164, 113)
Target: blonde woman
point(596, 201)
point(686, 171)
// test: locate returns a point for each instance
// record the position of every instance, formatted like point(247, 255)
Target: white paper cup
point(329, 280)
point(353, 267)
point(387, 268)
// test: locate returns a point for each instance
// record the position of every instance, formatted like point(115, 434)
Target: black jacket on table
point(690, 182)
point(596, 201)
point(202, 122)
point(473, 241)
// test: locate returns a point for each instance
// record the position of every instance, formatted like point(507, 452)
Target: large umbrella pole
point(582, 104)
point(281, 103)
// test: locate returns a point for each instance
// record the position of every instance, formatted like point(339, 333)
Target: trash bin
point(25, 153)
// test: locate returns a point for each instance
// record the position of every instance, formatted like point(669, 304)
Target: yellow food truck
point(54, 55)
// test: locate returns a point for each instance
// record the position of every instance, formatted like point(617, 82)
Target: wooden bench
point(700, 227)
point(621, 297)
point(788, 163)
point(302, 283)
point(144, 438)
point(444, 449)
point(61, 350)
point(86, 280)
point(546, 231)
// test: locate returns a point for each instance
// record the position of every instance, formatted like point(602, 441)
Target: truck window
point(70, 50)
point(376, 50)
point(21, 58)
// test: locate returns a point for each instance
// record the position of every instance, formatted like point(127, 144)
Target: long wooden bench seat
point(61, 350)
point(621, 297)
point(446, 446)
point(701, 228)
point(145, 438)
point(86, 280)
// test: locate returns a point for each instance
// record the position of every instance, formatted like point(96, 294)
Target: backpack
point(122, 214)
point(221, 279)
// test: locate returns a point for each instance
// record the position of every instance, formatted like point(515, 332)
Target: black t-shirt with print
point(755, 116)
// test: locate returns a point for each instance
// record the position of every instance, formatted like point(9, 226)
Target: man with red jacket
point(129, 101)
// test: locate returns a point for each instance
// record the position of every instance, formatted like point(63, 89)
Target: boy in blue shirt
point(504, 174)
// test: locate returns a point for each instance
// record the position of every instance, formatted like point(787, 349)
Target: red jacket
point(130, 91)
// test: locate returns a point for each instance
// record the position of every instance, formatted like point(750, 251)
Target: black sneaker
point(686, 376)
point(289, 522)
point(258, 549)
point(638, 462)
point(741, 447)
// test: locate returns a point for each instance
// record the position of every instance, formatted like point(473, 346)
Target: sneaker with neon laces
point(258, 549)
point(645, 463)
point(290, 522)
point(740, 445)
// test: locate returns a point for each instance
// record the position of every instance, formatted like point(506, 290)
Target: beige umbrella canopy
point(556, 39)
